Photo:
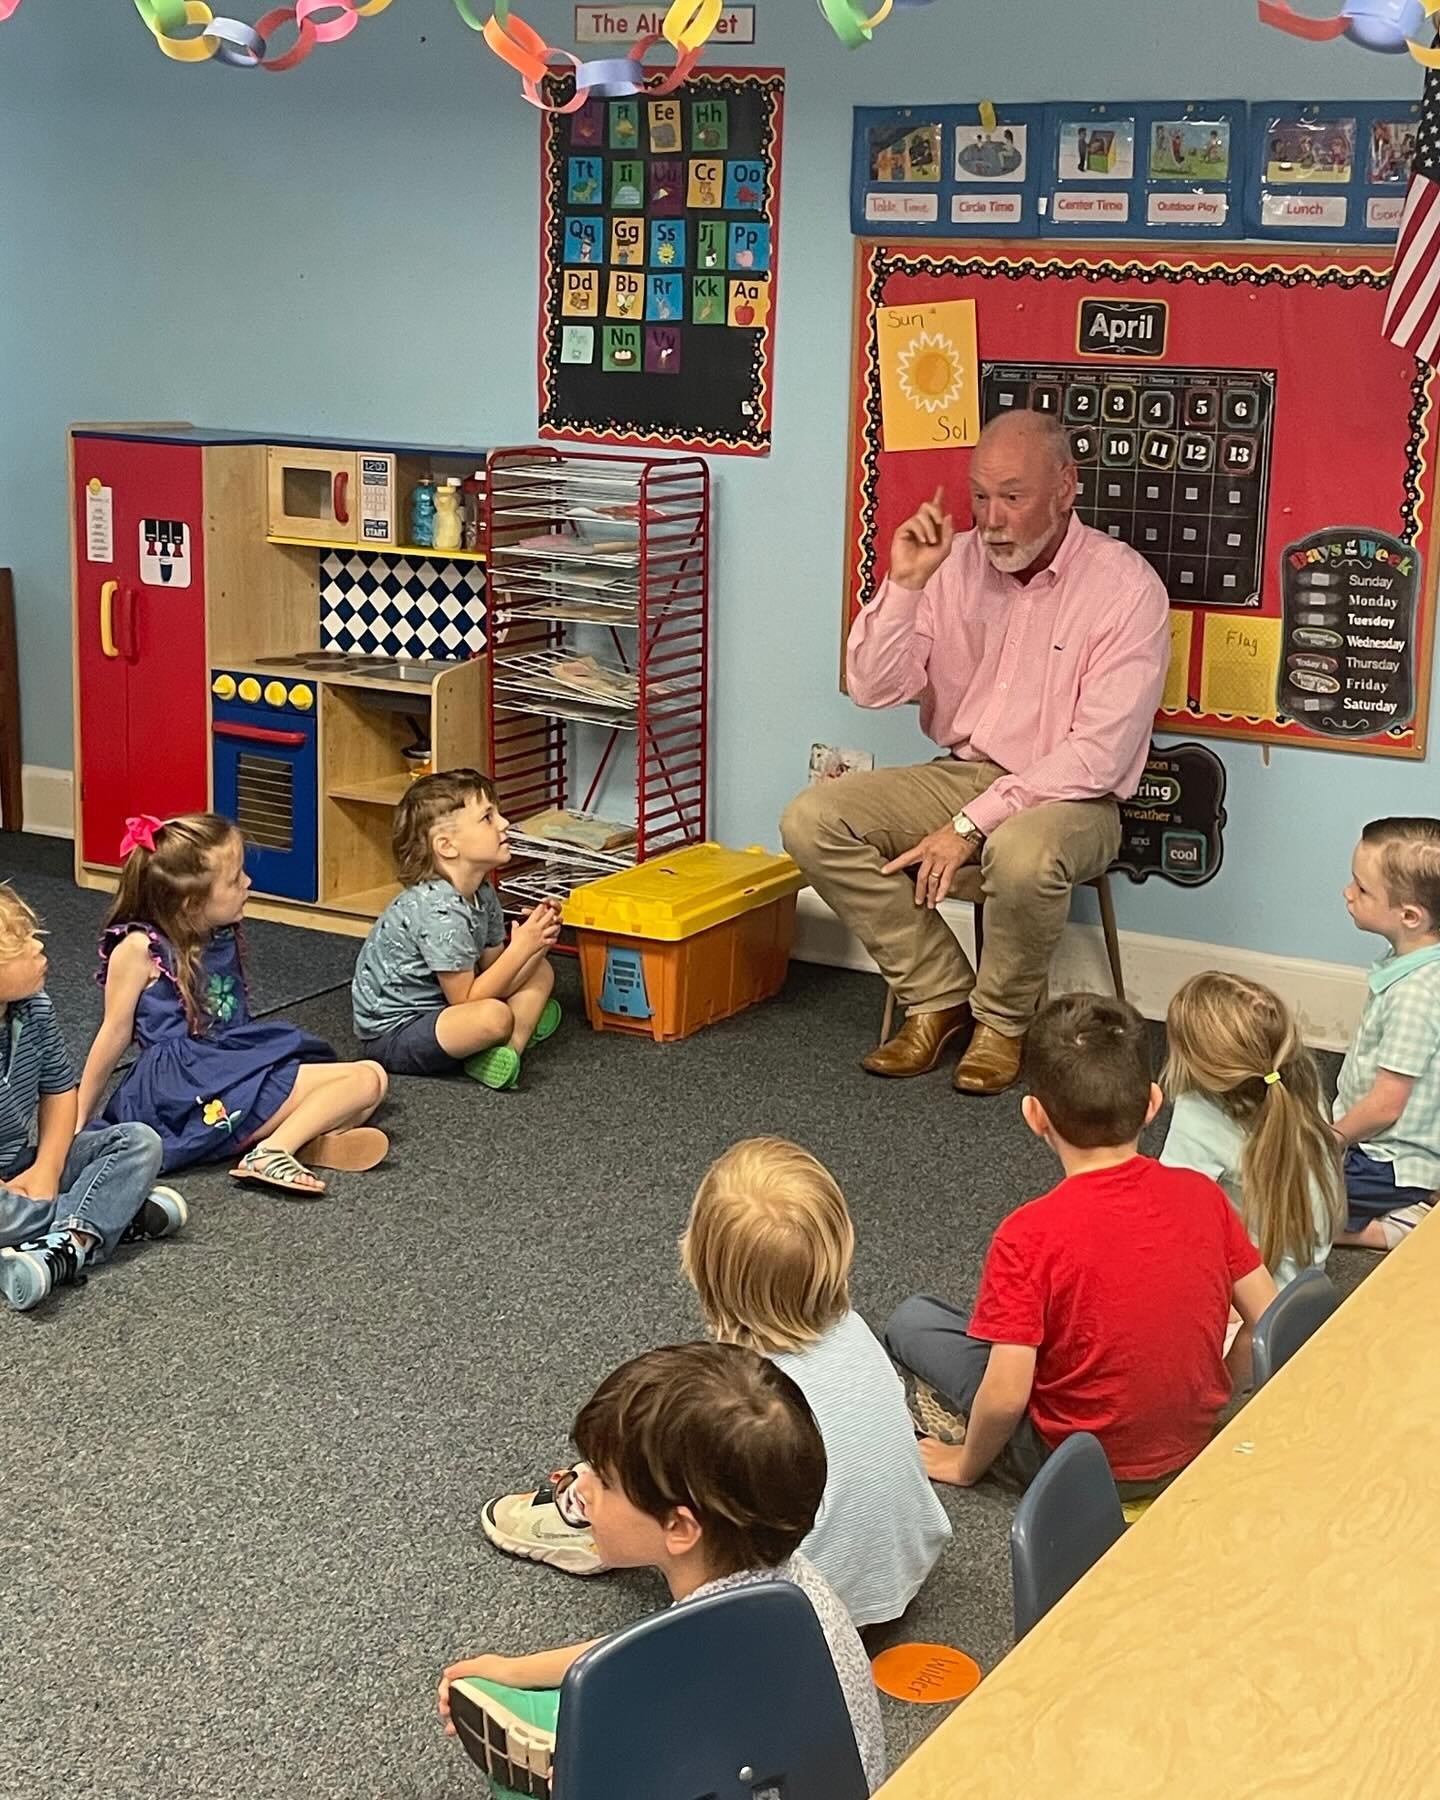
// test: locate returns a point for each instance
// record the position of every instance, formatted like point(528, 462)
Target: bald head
point(1026, 434)
point(1022, 487)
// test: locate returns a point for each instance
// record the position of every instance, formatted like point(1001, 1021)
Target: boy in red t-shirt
point(1103, 1304)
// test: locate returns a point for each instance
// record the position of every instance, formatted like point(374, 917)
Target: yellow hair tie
point(1272, 1078)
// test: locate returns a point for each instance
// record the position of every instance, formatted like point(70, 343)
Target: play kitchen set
point(257, 631)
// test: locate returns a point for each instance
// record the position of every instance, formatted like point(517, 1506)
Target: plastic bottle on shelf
point(448, 529)
point(473, 488)
point(422, 514)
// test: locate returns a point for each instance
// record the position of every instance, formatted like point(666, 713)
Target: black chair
point(1069, 1517)
point(1291, 1317)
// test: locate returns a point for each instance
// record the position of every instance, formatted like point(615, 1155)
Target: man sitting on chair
point(1037, 648)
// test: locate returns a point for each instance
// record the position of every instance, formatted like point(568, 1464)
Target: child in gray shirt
point(436, 986)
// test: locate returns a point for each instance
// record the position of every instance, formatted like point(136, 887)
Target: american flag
point(1412, 313)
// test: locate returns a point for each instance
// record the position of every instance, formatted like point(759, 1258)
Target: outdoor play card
point(707, 300)
point(662, 350)
point(626, 295)
point(665, 297)
point(744, 186)
point(584, 182)
point(749, 246)
point(1094, 151)
point(1311, 152)
point(664, 127)
point(627, 185)
point(1189, 150)
point(624, 125)
point(707, 182)
point(749, 302)
point(711, 244)
point(580, 293)
point(667, 243)
point(667, 188)
point(710, 124)
point(998, 155)
point(905, 152)
point(583, 238)
point(587, 127)
point(627, 242)
point(621, 349)
point(577, 344)
point(1392, 150)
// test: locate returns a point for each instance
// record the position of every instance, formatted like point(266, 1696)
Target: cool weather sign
point(623, 24)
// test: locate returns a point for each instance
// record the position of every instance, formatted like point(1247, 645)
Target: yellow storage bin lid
point(685, 891)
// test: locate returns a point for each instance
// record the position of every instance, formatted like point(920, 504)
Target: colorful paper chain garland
point(688, 26)
point(241, 46)
point(1374, 24)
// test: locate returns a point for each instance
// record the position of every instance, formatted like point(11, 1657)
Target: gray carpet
point(285, 964)
point(241, 1469)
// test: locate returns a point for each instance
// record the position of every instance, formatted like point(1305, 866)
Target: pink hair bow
point(139, 834)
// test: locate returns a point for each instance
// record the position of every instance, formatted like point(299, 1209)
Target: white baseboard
point(48, 797)
point(1327, 996)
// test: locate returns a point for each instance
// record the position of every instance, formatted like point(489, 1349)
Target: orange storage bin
point(684, 939)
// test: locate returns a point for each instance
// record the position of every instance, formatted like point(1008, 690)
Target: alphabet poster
point(659, 256)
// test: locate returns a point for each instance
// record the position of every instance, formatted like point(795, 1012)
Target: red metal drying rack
point(544, 493)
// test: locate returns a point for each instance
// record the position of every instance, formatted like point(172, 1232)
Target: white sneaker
point(532, 1526)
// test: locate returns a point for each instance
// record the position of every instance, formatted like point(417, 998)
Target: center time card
point(660, 236)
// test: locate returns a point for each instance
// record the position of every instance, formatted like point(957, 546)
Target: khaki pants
point(843, 832)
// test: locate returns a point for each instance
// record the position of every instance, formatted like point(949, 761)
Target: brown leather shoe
point(918, 1045)
point(991, 1064)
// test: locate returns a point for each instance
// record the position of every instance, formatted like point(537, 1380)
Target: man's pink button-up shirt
point(1056, 679)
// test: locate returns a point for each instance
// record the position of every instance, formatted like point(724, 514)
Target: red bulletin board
point(1305, 532)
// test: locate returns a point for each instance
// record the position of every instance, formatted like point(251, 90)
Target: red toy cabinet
point(142, 724)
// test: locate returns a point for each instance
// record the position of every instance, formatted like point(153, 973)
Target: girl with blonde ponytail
point(1248, 1113)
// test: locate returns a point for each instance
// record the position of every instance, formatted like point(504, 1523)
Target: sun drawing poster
point(929, 375)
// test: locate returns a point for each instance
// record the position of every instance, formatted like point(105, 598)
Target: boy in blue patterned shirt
point(1387, 1110)
point(65, 1201)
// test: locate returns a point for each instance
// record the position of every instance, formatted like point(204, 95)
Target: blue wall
point(352, 248)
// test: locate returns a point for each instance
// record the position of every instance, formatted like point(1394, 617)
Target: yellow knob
point(302, 696)
point(223, 687)
point(250, 689)
point(274, 693)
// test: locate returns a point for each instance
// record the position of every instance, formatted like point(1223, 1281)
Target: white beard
point(1019, 556)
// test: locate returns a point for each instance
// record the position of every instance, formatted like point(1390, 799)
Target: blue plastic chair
point(1069, 1517)
point(1289, 1320)
point(730, 1697)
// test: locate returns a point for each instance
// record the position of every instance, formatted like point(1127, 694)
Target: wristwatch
point(967, 827)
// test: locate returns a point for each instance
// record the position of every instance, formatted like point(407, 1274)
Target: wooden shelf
point(386, 791)
point(417, 551)
point(367, 905)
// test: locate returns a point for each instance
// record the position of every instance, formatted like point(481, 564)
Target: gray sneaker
point(162, 1215)
point(29, 1272)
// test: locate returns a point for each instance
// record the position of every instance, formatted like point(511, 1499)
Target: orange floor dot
point(925, 1674)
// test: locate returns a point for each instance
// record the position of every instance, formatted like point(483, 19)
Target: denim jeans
point(107, 1176)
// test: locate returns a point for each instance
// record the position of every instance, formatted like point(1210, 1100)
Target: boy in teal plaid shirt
point(1387, 1110)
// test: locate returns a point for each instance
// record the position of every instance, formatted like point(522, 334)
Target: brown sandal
point(359, 1148)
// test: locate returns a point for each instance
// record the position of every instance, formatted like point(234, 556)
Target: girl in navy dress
point(209, 1078)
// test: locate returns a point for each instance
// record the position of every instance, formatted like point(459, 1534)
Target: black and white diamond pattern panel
point(401, 606)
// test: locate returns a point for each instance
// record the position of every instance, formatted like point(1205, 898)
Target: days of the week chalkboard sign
point(1172, 825)
point(660, 242)
point(1348, 664)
